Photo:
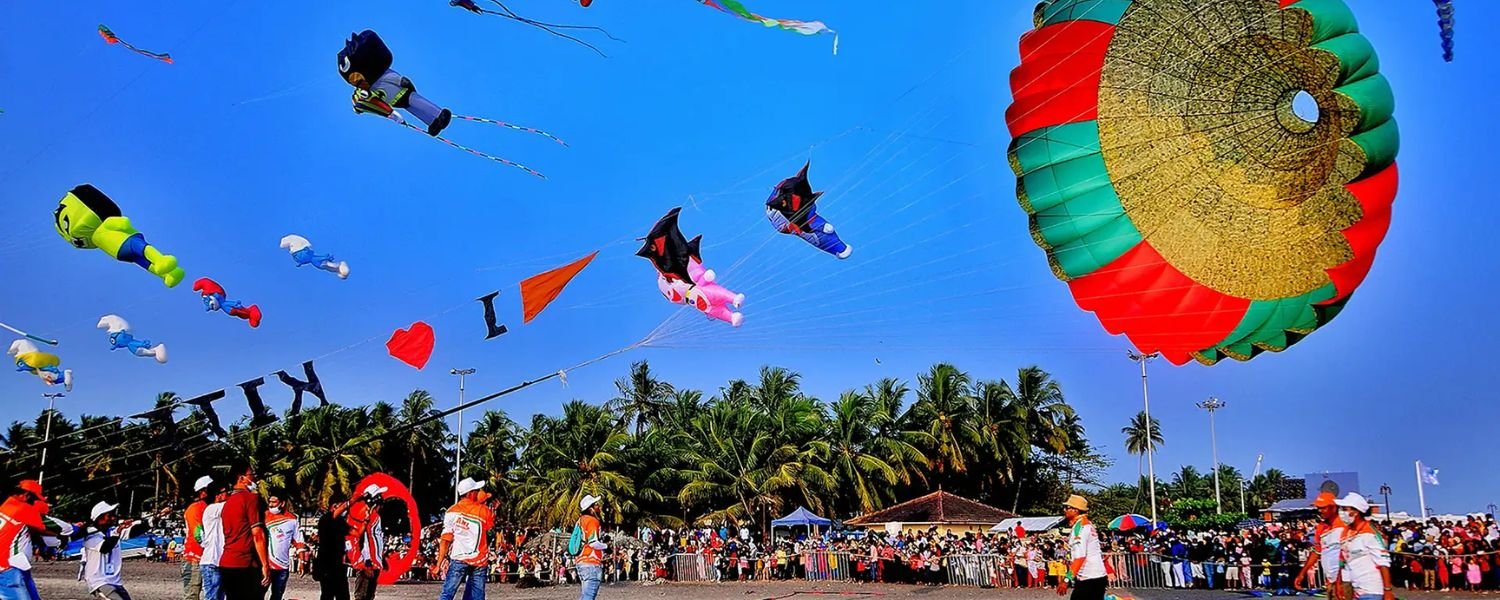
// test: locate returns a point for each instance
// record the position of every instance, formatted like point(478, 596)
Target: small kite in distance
point(110, 37)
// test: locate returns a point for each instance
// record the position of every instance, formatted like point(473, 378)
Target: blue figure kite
point(120, 338)
point(214, 299)
point(31, 360)
point(302, 252)
point(792, 209)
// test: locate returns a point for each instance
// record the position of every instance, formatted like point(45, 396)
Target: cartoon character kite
point(89, 219)
point(302, 252)
point(120, 338)
point(792, 209)
point(30, 359)
point(681, 276)
point(214, 299)
point(365, 63)
point(111, 38)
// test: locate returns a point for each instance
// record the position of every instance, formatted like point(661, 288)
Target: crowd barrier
point(823, 565)
point(687, 567)
point(1139, 570)
point(977, 570)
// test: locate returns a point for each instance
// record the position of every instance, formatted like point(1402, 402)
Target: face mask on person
point(275, 510)
point(1347, 518)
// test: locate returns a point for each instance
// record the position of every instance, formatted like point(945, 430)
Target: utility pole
point(1385, 490)
point(47, 437)
point(458, 450)
point(1142, 359)
point(1211, 405)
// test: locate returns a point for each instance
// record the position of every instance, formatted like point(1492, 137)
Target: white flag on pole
point(1429, 474)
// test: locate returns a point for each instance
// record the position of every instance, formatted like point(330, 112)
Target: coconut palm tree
point(898, 446)
point(576, 454)
point(640, 398)
point(945, 410)
point(424, 444)
point(1138, 441)
point(333, 451)
point(856, 467)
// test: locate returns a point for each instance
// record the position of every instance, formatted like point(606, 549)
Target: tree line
point(660, 455)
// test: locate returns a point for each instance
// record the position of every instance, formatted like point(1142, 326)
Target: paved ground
point(156, 581)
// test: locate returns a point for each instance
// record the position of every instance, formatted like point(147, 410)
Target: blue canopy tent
point(801, 518)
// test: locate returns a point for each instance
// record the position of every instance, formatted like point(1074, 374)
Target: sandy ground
point(157, 581)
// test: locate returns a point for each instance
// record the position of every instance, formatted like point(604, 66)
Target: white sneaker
point(160, 352)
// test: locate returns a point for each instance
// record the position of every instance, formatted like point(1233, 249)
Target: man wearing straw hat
point(1086, 571)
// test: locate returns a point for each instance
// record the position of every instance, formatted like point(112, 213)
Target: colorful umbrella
point(1132, 521)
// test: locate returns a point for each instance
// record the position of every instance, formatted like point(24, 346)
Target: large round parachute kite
point(1172, 183)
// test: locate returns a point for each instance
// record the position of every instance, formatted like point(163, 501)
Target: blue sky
point(249, 137)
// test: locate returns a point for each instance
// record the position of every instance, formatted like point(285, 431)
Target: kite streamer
point(475, 152)
point(109, 36)
point(734, 7)
point(1445, 26)
point(512, 126)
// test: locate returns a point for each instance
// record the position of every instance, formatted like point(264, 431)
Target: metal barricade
point(687, 567)
point(974, 570)
point(823, 565)
point(1140, 570)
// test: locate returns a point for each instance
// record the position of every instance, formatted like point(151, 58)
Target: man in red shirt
point(245, 568)
point(23, 513)
point(192, 577)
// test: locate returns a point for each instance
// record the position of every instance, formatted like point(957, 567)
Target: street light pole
point(1142, 359)
point(1211, 405)
point(1385, 490)
point(41, 474)
point(458, 450)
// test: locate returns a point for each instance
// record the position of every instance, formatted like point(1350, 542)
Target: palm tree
point(895, 444)
point(1138, 441)
point(422, 444)
point(856, 469)
point(641, 397)
point(574, 455)
point(1002, 427)
point(945, 410)
point(1187, 483)
point(777, 386)
point(1041, 399)
point(330, 456)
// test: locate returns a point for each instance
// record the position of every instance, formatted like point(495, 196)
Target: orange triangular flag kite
point(541, 289)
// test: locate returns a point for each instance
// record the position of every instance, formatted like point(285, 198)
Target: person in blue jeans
point(470, 577)
point(591, 555)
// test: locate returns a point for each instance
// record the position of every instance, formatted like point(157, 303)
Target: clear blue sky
point(250, 137)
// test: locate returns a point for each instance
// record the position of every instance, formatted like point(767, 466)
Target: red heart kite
point(412, 346)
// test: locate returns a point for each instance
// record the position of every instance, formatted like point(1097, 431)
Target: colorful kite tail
point(111, 38)
point(512, 126)
point(475, 152)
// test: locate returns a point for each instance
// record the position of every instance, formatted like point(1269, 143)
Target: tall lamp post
point(1385, 490)
point(1211, 405)
point(458, 450)
point(1142, 359)
point(41, 474)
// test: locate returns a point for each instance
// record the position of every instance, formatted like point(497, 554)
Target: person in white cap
point(192, 547)
point(1366, 560)
point(369, 547)
point(463, 549)
point(101, 553)
point(591, 550)
point(213, 543)
point(1086, 570)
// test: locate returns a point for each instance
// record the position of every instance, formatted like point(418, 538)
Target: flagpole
point(1421, 497)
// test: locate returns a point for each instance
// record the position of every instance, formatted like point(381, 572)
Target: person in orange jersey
point(464, 549)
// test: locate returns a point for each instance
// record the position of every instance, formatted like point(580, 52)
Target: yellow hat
point(1078, 502)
